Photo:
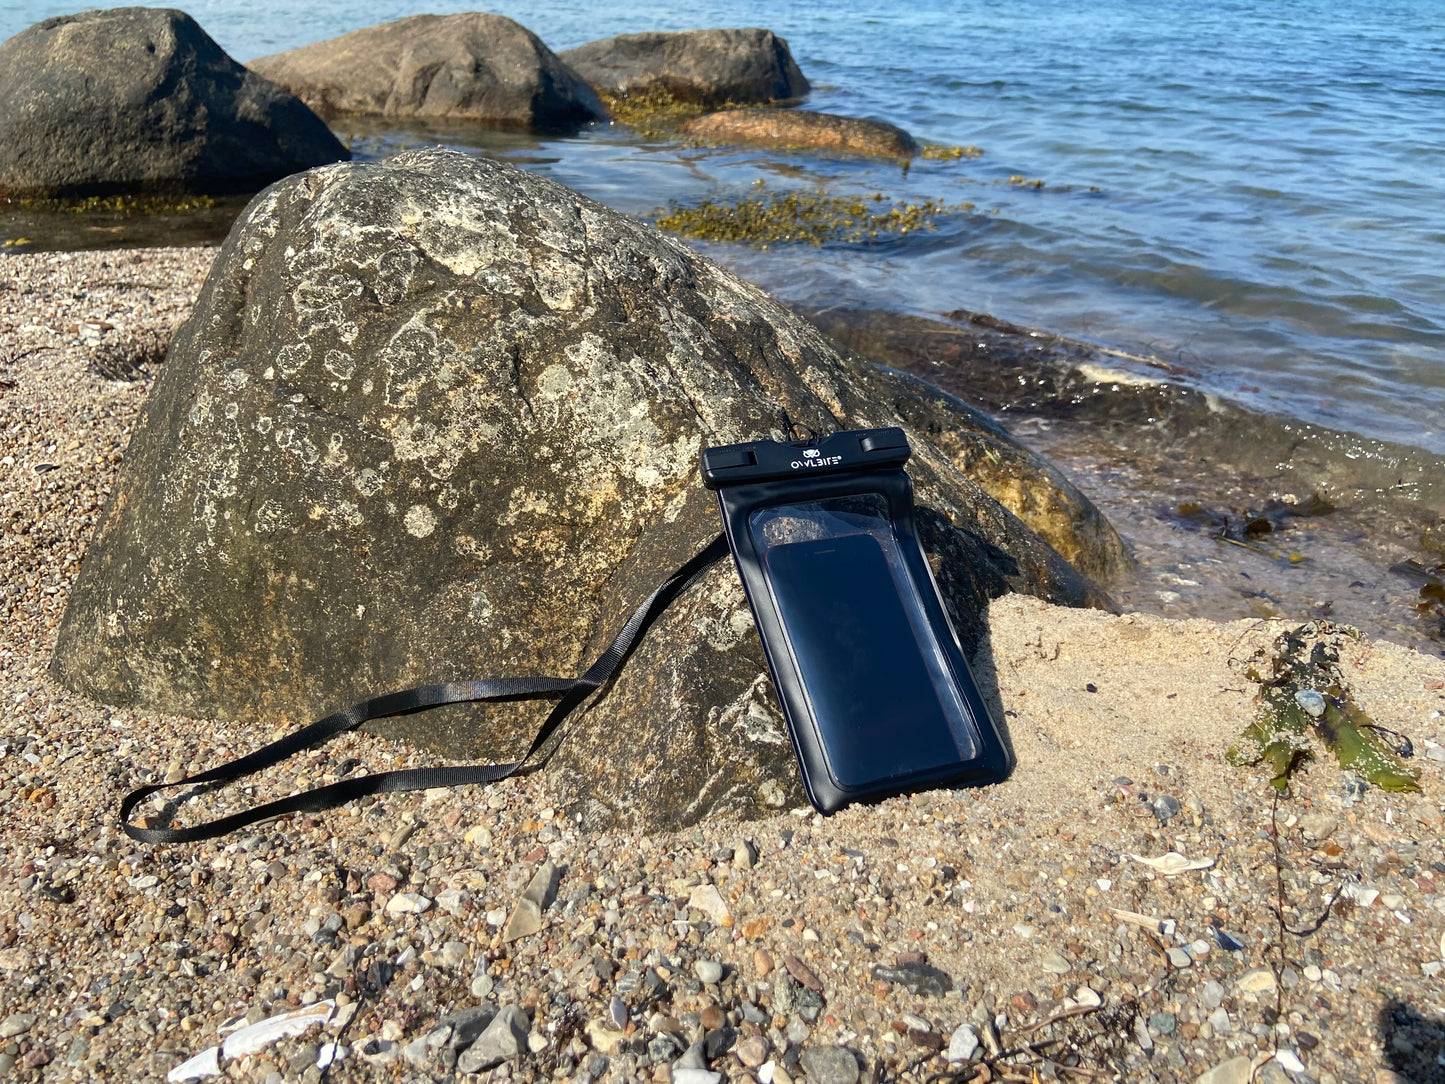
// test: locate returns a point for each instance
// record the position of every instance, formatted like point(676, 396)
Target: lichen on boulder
point(438, 418)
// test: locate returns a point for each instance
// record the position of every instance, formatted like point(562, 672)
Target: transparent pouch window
point(880, 690)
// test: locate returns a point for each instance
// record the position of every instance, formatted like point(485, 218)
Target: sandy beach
point(1019, 920)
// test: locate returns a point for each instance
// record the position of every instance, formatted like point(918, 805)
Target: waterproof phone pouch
point(867, 666)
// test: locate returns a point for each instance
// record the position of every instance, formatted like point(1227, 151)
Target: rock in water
point(437, 418)
point(469, 66)
point(790, 128)
point(711, 67)
point(134, 99)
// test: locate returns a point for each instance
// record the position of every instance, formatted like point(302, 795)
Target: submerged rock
point(469, 66)
point(710, 67)
point(136, 99)
point(803, 128)
point(437, 418)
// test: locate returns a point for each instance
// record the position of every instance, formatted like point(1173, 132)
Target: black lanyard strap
point(568, 692)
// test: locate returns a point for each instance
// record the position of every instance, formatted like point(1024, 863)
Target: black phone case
point(873, 684)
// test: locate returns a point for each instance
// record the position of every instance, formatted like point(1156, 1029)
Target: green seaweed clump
point(808, 217)
point(944, 153)
point(123, 205)
point(656, 113)
point(1303, 692)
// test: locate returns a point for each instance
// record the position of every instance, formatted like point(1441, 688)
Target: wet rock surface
point(468, 66)
point(437, 418)
point(141, 99)
point(710, 67)
point(795, 128)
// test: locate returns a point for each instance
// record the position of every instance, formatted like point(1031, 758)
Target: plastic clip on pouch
point(868, 668)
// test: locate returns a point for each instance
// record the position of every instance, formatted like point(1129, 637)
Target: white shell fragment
point(206, 1063)
point(263, 1033)
point(1173, 863)
point(1311, 702)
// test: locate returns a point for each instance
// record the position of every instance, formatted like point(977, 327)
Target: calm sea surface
point(1253, 191)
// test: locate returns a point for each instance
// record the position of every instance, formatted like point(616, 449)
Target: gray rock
point(1233, 1071)
point(1162, 1023)
point(505, 1037)
point(542, 888)
point(440, 377)
point(525, 920)
point(919, 978)
point(790, 129)
point(708, 971)
point(830, 1065)
point(962, 1043)
point(138, 99)
point(713, 67)
point(1179, 958)
point(1055, 963)
point(468, 66)
point(1165, 807)
point(17, 1023)
point(466, 1024)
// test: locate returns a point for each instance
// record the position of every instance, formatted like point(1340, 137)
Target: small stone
point(1219, 1021)
point(712, 1018)
point(1233, 1071)
point(617, 1014)
point(603, 1037)
point(525, 920)
point(1227, 941)
point(803, 974)
point(1318, 826)
point(1211, 993)
point(762, 963)
point(407, 903)
point(752, 1052)
point(745, 855)
point(708, 971)
point(1257, 980)
point(962, 1043)
point(416, 1053)
point(695, 1076)
point(505, 1037)
point(918, 978)
point(454, 954)
point(1162, 1023)
point(542, 889)
point(381, 882)
point(1392, 901)
point(1165, 807)
point(452, 900)
point(708, 900)
point(17, 1023)
point(691, 1058)
point(1024, 1001)
point(1179, 959)
point(830, 1065)
point(464, 1026)
point(1054, 963)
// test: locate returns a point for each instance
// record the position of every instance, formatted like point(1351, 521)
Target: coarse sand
point(871, 945)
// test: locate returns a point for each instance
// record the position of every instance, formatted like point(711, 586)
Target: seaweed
point(657, 113)
point(153, 204)
point(1303, 693)
point(945, 153)
point(808, 217)
point(1430, 579)
point(1250, 529)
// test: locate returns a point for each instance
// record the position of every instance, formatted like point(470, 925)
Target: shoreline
point(118, 960)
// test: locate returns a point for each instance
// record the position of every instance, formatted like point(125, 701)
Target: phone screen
point(867, 677)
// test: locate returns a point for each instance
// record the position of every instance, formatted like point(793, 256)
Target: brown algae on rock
point(946, 153)
point(656, 113)
point(810, 217)
point(1303, 691)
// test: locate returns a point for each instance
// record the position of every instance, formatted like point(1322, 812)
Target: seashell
point(1173, 863)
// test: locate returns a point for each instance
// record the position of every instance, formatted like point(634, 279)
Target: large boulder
point(469, 66)
point(790, 129)
point(141, 98)
point(438, 418)
point(709, 67)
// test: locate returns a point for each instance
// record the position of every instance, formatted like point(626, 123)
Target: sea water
point(1252, 191)
point(1247, 197)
